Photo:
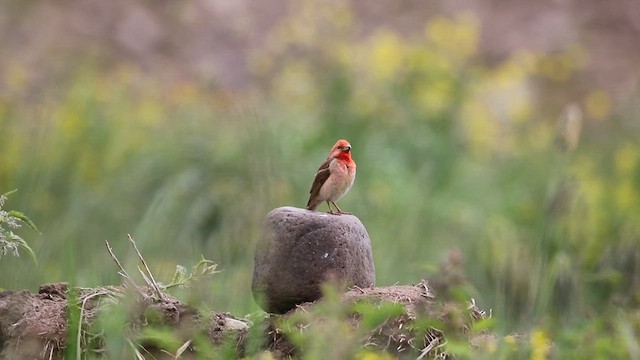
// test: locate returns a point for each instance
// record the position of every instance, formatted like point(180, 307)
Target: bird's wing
point(321, 176)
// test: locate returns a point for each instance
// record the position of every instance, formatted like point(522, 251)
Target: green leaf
point(162, 338)
point(484, 324)
point(23, 244)
point(24, 219)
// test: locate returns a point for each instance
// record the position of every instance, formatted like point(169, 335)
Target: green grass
point(451, 155)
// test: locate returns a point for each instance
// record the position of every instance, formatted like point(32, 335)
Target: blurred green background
point(497, 142)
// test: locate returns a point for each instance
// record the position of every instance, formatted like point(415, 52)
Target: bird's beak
point(347, 148)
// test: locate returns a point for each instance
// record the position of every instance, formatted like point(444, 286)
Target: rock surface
point(302, 249)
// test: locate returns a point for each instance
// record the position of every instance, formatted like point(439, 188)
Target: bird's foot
point(340, 212)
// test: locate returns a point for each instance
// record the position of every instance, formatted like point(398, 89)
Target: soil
point(33, 326)
point(396, 335)
point(36, 326)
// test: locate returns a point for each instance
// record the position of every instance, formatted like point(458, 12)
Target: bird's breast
point(339, 181)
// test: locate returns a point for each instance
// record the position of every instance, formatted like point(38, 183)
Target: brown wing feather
point(321, 176)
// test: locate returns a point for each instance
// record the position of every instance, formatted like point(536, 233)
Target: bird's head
point(342, 149)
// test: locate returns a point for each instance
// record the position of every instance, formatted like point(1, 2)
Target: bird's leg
point(330, 210)
point(339, 210)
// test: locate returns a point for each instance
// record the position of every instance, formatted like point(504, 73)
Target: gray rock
point(301, 249)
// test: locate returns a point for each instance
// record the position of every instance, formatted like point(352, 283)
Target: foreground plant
point(10, 243)
point(154, 322)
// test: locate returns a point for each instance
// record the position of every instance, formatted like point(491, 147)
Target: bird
point(334, 178)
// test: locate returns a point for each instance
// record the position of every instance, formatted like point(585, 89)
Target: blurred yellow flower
point(598, 104)
point(481, 128)
point(559, 67)
point(149, 112)
point(626, 159)
point(297, 84)
point(71, 124)
point(369, 355)
point(458, 36)
point(626, 195)
point(540, 345)
point(510, 72)
point(435, 96)
point(387, 55)
point(540, 136)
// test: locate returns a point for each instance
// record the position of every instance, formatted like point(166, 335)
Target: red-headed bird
point(334, 177)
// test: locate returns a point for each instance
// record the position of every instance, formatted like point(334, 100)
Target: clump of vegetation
point(154, 319)
point(10, 220)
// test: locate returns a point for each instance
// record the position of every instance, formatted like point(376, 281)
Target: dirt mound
point(33, 326)
point(36, 326)
point(413, 297)
point(394, 319)
point(40, 326)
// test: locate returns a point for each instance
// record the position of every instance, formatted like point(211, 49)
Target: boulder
point(301, 249)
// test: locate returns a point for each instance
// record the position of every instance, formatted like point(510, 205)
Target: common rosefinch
point(334, 177)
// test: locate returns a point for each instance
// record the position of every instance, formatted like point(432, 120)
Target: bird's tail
point(312, 205)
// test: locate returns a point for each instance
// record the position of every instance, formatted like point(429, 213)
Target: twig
point(153, 281)
point(431, 346)
point(436, 340)
point(136, 352)
point(145, 277)
point(182, 349)
point(123, 272)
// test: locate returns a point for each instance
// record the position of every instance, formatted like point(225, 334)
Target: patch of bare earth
point(33, 326)
point(400, 335)
point(37, 326)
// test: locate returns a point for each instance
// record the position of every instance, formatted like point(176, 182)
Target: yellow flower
point(626, 195)
point(626, 159)
point(598, 104)
point(458, 37)
point(481, 128)
point(540, 346)
point(368, 355)
point(387, 55)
